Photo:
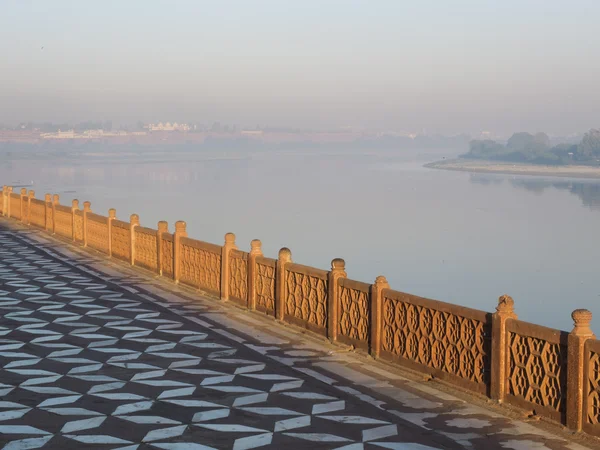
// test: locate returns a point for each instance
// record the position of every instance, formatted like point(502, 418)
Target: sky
point(439, 66)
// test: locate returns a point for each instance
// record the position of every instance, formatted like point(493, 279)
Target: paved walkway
point(96, 355)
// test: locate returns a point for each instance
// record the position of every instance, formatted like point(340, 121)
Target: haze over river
point(453, 236)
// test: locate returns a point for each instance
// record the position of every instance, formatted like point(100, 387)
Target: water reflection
point(587, 190)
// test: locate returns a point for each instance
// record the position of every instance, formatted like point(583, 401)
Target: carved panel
point(97, 235)
point(200, 268)
point(166, 252)
point(78, 230)
point(593, 392)
point(538, 371)
point(145, 249)
point(63, 223)
point(238, 276)
point(121, 238)
point(436, 339)
point(354, 313)
point(306, 298)
point(15, 206)
point(38, 213)
point(265, 286)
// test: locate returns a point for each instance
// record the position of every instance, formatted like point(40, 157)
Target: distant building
point(167, 126)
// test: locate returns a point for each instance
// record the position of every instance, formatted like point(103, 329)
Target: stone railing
point(548, 373)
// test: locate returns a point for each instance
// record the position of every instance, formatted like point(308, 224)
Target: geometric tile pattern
point(538, 371)
point(437, 339)
point(87, 363)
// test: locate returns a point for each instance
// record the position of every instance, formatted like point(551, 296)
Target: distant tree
point(589, 147)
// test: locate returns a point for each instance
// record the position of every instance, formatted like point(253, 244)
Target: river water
point(458, 237)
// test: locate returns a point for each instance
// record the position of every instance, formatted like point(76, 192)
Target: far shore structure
point(545, 372)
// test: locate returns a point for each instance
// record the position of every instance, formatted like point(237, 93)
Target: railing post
point(255, 251)
point(30, 196)
point(9, 190)
point(499, 361)
point(180, 231)
point(284, 257)
point(576, 378)
point(112, 215)
point(226, 264)
point(338, 270)
point(134, 221)
point(47, 207)
point(4, 187)
point(74, 207)
point(55, 200)
point(23, 197)
point(87, 208)
point(376, 313)
point(163, 227)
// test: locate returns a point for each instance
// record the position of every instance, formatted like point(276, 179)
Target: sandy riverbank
point(481, 166)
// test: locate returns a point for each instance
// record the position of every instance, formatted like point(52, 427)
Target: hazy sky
point(447, 66)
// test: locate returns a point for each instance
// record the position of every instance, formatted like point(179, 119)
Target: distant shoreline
point(482, 166)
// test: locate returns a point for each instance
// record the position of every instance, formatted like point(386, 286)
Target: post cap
point(285, 255)
point(180, 226)
point(31, 194)
point(382, 282)
point(75, 203)
point(48, 198)
point(134, 219)
point(582, 318)
point(163, 226)
point(506, 304)
point(338, 264)
point(23, 191)
point(112, 213)
point(255, 247)
point(55, 198)
point(229, 238)
point(87, 206)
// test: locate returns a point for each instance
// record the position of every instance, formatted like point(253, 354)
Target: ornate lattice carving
point(38, 214)
point(537, 371)
point(593, 400)
point(306, 298)
point(97, 235)
point(63, 223)
point(15, 206)
point(265, 286)
point(354, 313)
point(436, 339)
point(166, 256)
point(120, 241)
point(145, 249)
point(200, 268)
point(238, 277)
point(78, 230)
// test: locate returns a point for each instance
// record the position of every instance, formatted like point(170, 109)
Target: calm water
point(458, 237)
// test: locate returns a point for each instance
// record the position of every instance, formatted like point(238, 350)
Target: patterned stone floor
point(95, 355)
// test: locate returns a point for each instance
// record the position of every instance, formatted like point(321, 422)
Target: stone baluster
point(29, 198)
point(47, 208)
point(87, 208)
point(255, 252)
point(23, 200)
point(112, 215)
point(226, 264)
point(338, 270)
point(74, 207)
point(163, 227)
point(180, 231)
point(576, 375)
point(55, 200)
point(284, 257)
point(377, 289)
point(134, 221)
point(499, 365)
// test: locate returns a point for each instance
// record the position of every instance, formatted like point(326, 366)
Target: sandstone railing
point(548, 373)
